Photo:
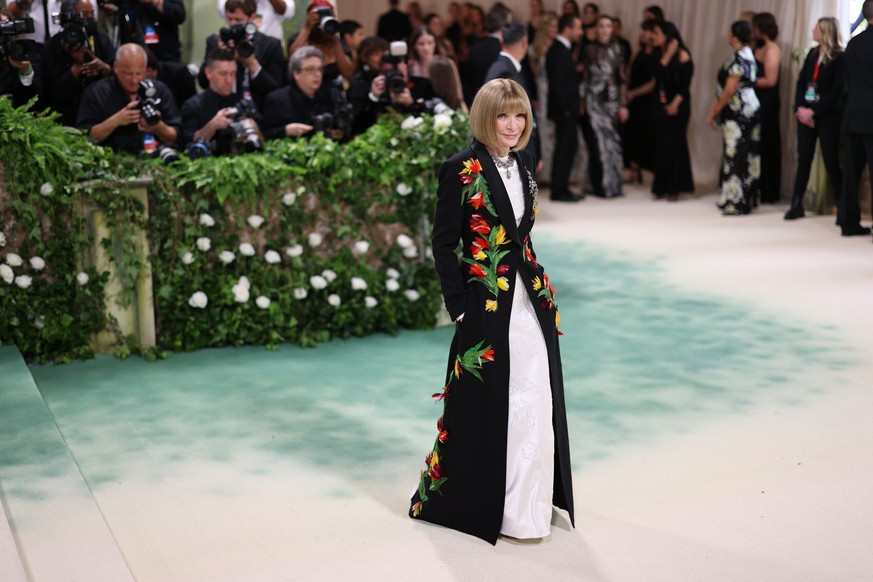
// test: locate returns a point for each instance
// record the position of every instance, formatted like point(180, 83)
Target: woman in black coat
point(818, 108)
point(501, 456)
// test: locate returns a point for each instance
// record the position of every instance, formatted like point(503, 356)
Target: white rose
point(300, 293)
point(207, 220)
point(255, 220)
point(329, 275)
point(410, 252)
point(246, 249)
point(314, 239)
point(23, 281)
point(39, 322)
point(13, 260)
point(262, 302)
point(358, 284)
point(370, 302)
point(240, 293)
point(37, 264)
point(412, 294)
point(392, 285)
point(301, 190)
point(2, 240)
point(442, 109)
point(361, 247)
point(46, 189)
point(294, 250)
point(392, 273)
point(404, 242)
point(226, 257)
point(394, 142)
point(6, 273)
point(403, 189)
point(441, 122)
point(203, 243)
point(318, 282)
point(272, 257)
point(198, 300)
point(411, 122)
point(244, 282)
point(289, 198)
point(82, 278)
point(334, 300)
point(188, 258)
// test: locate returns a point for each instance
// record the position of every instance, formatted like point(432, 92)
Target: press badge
point(151, 35)
point(811, 96)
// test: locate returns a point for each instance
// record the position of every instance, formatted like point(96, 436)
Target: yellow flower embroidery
point(434, 459)
point(490, 305)
point(500, 236)
point(503, 283)
point(537, 284)
point(557, 318)
point(457, 368)
point(480, 256)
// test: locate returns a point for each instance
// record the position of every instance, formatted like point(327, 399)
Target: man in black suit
point(509, 66)
point(483, 53)
point(259, 73)
point(858, 125)
point(564, 104)
point(394, 24)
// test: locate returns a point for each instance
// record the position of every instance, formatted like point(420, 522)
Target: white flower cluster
point(241, 290)
point(246, 249)
point(358, 284)
point(207, 220)
point(294, 251)
point(410, 251)
point(2, 240)
point(272, 257)
point(204, 243)
point(411, 122)
point(361, 247)
point(404, 189)
point(255, 220)
point(198, 300)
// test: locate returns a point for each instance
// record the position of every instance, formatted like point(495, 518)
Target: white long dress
point(530, 443)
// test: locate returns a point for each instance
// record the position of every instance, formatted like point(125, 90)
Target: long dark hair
point(670, 31)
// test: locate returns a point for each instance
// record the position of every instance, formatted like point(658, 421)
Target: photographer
point(128, 112)
point(303, 107)
point(20, 66)
point(151, 23)
point(260, 62)
point(392, 89)
point(176, 76)
point(208, 118)
point(74, 58)
point(271, 14)
point(322, 31)
point(44, 27)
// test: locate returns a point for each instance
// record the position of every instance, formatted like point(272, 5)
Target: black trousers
point(827, 131)
point(566, 144)
point(595, 166)
point(859, 151)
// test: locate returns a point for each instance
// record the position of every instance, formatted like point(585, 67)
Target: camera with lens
point(394, 79)
point(17, 49)
point(244, 129)
point(166, 154)
point(75, 27)
point(326, 21)
point(146, 95)
point(200, 148)
point(336, 123)
point(237, 37)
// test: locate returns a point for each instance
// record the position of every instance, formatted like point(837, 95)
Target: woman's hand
point(623, 114)
point(712, 117)
point(672, 109)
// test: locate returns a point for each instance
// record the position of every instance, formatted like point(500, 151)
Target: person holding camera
point(152, 23)
point(41, 11)
point(299, 110)
point(271, 14)
point(392, 89)
point(208, 118)
point(74, 58)
point(260, 62)
point(20, 66)
point(322, 31)
point(127, 111)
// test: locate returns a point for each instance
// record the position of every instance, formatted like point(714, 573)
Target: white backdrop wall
point(704, 25)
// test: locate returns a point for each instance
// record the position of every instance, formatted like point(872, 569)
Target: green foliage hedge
point(302, 213)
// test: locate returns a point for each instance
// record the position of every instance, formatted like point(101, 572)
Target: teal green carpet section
point(642, 357)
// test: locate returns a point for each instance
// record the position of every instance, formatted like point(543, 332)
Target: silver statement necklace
point(506, 164)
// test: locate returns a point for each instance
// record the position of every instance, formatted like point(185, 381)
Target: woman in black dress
point(818, 108)
point(639, 129)
point(768, 57)
point(671, 112)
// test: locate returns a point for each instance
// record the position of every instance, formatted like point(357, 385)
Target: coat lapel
point(528, 184)
point(498, 191)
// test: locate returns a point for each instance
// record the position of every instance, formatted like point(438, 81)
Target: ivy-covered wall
point(306, 241)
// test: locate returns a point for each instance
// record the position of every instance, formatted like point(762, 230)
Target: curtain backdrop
point(704, 25)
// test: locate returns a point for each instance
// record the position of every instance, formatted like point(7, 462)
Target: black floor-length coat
point(463, 484)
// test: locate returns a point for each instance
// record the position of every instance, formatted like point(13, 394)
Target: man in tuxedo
point(394, 24)
point(483, 53)
point(564, 104)
point(509, 66)
point(256, 74)
point(858, 125)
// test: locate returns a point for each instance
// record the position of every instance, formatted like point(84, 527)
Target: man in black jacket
point(564, 104)
point(394, 24)
point(858, 125)
point(259, 73)
point(509, 66)
point(74, 58)
point(298, 109)
point(483, 53)
point(152, 23)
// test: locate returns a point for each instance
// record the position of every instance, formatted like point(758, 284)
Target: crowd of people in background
point(631, 102)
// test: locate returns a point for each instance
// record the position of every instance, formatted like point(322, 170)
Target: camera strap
point(46, 21)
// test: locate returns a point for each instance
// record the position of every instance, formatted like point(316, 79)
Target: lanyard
point(815, 72)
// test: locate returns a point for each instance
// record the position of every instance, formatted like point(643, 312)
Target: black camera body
point(237, 37)
point(394, 79)
point(326, 21)
point(336, 123)
point(146, 95)
point(76, 28)
point(244, 130)
point(166, 154)
point(18, 49)
point(200, 148)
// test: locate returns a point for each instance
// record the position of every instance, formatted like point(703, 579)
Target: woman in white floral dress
point(736, 109)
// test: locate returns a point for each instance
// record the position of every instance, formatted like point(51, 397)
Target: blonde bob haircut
point(496, 97)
